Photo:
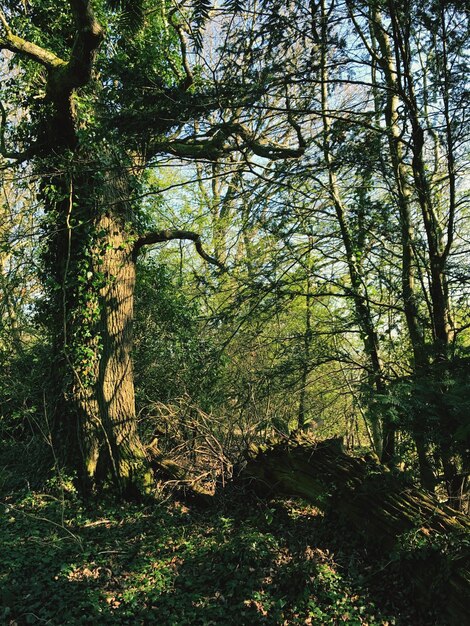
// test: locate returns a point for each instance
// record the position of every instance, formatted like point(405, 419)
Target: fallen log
point(381, 505)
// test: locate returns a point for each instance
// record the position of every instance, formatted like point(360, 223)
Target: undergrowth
point(239, 561)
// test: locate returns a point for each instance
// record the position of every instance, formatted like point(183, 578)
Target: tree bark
point(112, 445)
point(90, 311)
point(386, 61)
point(390, 51)
point(89, 271)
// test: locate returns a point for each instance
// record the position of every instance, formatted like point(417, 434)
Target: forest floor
point(237, 561)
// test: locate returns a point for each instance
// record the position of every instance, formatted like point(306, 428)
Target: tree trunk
point(385, 58)
point(378, 503)
point(92, 256)
point(439, 241)
point(112, 446)
point(383, 431)
point(302, 420)
point(88, 267)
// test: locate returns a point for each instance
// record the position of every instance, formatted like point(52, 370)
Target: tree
point(385, 124)
point(107, 89)
point(425, 186)
point(327, 146)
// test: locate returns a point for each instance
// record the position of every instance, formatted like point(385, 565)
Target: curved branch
point(169, 235)
point(64, 76)
point(295, 125)
point(216, 146)
point(263, 147)
point(191, 148)
point(189, 78)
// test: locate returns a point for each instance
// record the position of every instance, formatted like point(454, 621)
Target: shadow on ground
point(241, 561)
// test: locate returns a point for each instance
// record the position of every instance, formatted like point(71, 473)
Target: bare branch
point(295, 125)
point(169, 235)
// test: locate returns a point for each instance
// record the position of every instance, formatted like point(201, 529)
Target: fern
point(132, 18)
point(201, 12)
point(234, 6)
point(131, 15)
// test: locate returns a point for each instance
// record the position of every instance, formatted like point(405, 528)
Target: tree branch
point(189, 78)
point(64, 76)
point(210, 149)
point(87, 41)
point(216, 146)
point(10, 41)
point(263, 147)
point(169, 235)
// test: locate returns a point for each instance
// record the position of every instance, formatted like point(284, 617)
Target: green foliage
point(200, 16)
point(173, 357)
point(22, 388)
point(434, 404)
point(131, 14)
point(170, 565)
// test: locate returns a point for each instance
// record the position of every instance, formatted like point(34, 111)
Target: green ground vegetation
point(238, 560)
